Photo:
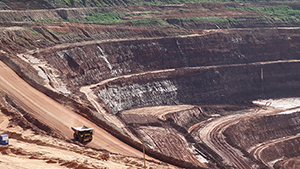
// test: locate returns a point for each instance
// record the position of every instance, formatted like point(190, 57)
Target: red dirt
point(59, 118)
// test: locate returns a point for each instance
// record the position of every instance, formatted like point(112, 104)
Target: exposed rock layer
point(267, 130)
point(89, 64)
point(202, 69)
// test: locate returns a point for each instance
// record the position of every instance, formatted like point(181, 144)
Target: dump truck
point(83, 134)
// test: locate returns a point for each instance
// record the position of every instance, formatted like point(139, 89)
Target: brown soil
point(28, 149)
point(184, 91)
point(291, 163)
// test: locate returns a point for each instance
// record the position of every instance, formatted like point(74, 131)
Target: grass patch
point(33, 31)
point(276, 13)
point(105, 3)
point(73, 20)
point(104, 18)
point(183, 10)
point(149, 21)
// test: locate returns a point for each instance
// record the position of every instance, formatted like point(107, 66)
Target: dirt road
point(212, 135)
point(258, 150)
point(55, 115)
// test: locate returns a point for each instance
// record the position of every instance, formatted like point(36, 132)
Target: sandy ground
point(27, 150)
point(55, 115)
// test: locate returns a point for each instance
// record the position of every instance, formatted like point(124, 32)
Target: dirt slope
point(56, 116)
point(123, 68)
point(27, 150)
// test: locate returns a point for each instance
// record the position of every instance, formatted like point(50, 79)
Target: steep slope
point(176, 70)
point(37, 76)
point(54, 115)
point(30, 148)
point(180, 91)
point(177, 63)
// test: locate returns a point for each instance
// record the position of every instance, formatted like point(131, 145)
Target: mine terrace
point(194, 85)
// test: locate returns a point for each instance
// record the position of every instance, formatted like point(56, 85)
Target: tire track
point(212, 136)
point(57, 116)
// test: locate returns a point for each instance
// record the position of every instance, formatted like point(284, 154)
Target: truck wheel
point(75, 136)
point(91, 138)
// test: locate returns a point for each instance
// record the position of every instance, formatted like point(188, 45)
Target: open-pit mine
point(206, 94)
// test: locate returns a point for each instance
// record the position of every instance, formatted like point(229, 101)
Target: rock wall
point(239, 59)
point(25, 4)
point(202, 86)
point(110, 59)
point(250, 132)
point(46, 15)
point(287, 164)
point(168, 134)
point(275, 138)
point(286, 149)
point(187, 117)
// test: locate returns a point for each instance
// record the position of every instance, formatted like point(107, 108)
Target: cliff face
point(279, 134)
point(127, 68)
point(136, 56)
point(165, 132)
point(34, 4)
point(245, 66)
point(202, 86)
point(258, 130)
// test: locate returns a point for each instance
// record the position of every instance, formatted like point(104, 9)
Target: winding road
point(212, 135)
point(61, 119)
point(258, 150)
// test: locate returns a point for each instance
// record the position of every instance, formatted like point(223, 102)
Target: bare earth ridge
point(55, 115)
point(195, 91)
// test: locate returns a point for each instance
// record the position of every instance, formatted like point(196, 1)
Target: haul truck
point(83, 134)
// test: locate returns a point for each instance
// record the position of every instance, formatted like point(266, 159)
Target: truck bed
point(83, 128)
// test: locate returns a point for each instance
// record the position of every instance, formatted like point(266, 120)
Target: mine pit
point(187, 93)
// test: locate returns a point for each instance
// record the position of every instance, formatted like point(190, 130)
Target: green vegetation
point(275, 13)
point(142, 13)
point(103, 3)
point(149, 21)
point(104, 18)
point(33, 31)
point(283, 13)
point(208, 19)
point(183, 10)
point(113, 18)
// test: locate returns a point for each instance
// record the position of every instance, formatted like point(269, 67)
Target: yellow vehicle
point(83, 134)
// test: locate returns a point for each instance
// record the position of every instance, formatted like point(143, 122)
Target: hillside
point(204, 85)
point(51, 4)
